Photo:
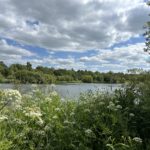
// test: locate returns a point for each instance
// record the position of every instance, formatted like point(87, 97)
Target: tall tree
point(147, 34)
point(29, 66)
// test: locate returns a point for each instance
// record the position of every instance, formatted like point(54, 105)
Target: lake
point(65, 90)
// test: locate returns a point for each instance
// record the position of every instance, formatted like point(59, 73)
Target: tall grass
point(35, 121)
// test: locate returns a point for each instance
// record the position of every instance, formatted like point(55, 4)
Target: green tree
point(87, 78)
point(1, 78)
point(29, 66)
point(147, 34)
point(3, 69)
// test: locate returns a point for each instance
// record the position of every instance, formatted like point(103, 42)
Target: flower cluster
point(54, 93)
point(2, 118)
point(114, 107)
point(48, 99)
point(88, 131)
point(12, 98)
point(137, 139)
point(33, 112)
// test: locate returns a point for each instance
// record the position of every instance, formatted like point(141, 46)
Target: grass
point(35, 121)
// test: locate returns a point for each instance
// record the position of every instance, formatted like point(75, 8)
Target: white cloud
point(72, 25)
point(120, 58)
point(10, 53)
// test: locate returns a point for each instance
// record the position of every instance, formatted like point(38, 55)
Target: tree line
point(18, 73)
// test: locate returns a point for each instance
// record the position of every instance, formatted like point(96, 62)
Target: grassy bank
point(36, 121)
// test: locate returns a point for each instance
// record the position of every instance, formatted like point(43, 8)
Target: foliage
point(1, 78)
point(147, 34)
point(26, 74)
point(87, 78)
point(120, 121)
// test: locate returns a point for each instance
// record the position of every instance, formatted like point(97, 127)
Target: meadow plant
point(94, 122)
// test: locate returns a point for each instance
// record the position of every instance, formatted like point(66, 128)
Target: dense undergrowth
point(36, 121)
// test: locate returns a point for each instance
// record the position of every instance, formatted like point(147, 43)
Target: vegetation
point(40, 121)
point(17, 73)
point(147, 34)
point(36, 121)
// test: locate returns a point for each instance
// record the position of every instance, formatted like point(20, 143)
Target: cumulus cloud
point(78, 26)
point(120, 58)
point(72, 25)
point(10, 53)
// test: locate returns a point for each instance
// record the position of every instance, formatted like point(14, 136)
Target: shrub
point(96, 121)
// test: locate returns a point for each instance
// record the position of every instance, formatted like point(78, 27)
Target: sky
point(96, 35)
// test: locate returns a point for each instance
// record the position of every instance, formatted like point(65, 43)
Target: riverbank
point(23, 74)
point(94, 121)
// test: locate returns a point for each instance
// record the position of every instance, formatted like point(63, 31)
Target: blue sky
point(97, 35)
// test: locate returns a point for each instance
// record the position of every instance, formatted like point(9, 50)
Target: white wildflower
point(131, 115)
point(27, 96)
point(57, 109)
point(95, 96)
point(72, 114)
point(3, 118)
point(12, 94)
point(55, 117)
point(62, 99)
point(88, 131)
point(42, 133)
point(119, 107)
point(33, 112)
point(66, 122)
point(111, 106)
point(18, 121)
point(48, 99)
point(12, 98)
point(54, 93)
point(47, 128)
point(137, 139)
point(40, 121)
point(137, 101)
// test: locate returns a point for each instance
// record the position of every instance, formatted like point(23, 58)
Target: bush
point(87, 79)
point(96, 121)
point(1, 78)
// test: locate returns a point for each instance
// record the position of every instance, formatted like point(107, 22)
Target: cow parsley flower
point(12, 98)
point(57, 109)
point(66, 122)
point(72, 114)
point(137, 139)
point(119, 107)
point(111, 106)
point(2, 118)
point(48, 99)
point(55, 117)
point(131, 115)
point(54, 93)
point(33, 112)
point(137, 101)
point(88, 131)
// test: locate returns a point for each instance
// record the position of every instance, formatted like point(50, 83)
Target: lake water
point(65, 90)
